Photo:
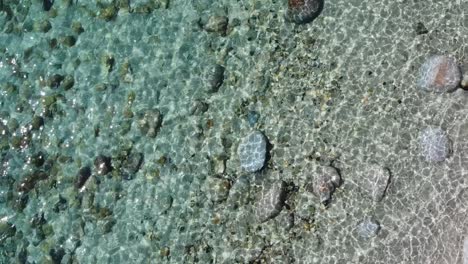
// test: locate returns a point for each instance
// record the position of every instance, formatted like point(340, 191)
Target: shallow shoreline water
point(120, 128)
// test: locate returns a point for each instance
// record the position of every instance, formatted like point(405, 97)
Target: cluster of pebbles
point(439, 74)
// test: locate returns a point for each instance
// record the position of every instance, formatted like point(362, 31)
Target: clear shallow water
point(87, 79)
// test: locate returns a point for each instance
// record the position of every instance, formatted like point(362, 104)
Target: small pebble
point(82, 176)
point(239, 193)
point(325, 180)
point(134, 161)
point(7, 229)
point(56, 254)
point(150, 122)
point(47, 4)
point(434, 144)
point(217, 24)
point(132, 165)
point(215, 78)
point(375, 180)
point(218, 189)
point(420, 28)
point(252, 152)
point(37, 159)
point(252, 118)
point(303, 11)
point(37, 122)
point(163, 202)
point(440, 74)
point(271, 202)
point(29, 182)
point(368, 228)
point(102, 165)
point(464, 82)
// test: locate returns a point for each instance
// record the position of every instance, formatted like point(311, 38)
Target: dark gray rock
point(102, 165)
point(239, 193)
point(83, 176)
point(271, 202)
point(214, 77)
point(303, 11)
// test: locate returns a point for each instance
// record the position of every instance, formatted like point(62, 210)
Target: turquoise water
point(121, 123)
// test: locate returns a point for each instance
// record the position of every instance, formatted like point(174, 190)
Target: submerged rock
point(434, 144)
point(252, 152)
point(102, 165)
point(271, 202)
point(440, 74)
point(7, 229)
point(325, 180)
point(214, 78)
point(149, 122)
point(303, 11)
point(217, 24)
point(83, 176)
point(368, 228)
point(29, 181)
point(374, 180)
point(217, 189)
point(239, 193)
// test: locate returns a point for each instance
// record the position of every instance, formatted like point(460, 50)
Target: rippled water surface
point(126, 127)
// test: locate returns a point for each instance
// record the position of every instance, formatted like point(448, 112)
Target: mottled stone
point(375, 180)
point(132, 165)
point(198, 107)
point(271, 202)
point(29, 181)
point(286, 220)
point(252, 152)
point(434, 144)
point(7, 229)
point(150, 122)
point(440, 74)
point(239, 193)
point(304, 205)
point(218, 189)
point(163, 202)
point(214, 77)
point(325, 180)
point(368, 228)
point(252, 118)
point(217, 24)
point(303, 11)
